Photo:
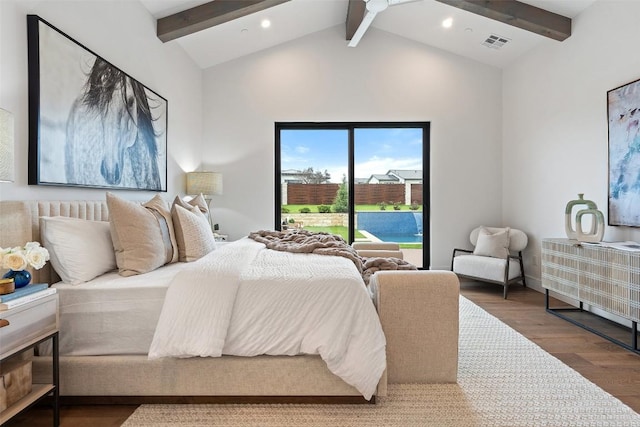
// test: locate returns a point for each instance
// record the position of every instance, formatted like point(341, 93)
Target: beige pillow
point(198, 201)
point(201, 203)
point(143, 235)
point(494, 245)
point(79, 249)
point(193, 232)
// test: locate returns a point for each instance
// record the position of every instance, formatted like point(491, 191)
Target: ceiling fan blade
point(362, 28)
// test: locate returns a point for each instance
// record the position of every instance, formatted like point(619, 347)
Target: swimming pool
point(392, 226)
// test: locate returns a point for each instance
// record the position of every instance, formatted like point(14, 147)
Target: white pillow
point(79, 249)
point(494, 245)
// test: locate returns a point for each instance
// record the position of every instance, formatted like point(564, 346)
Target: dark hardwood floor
point(611, 367)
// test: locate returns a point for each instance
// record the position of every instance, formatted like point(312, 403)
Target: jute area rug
point(503, 380)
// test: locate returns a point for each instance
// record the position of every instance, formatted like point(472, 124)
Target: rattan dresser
point(600, 276)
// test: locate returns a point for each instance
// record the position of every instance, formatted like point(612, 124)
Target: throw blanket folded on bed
point(245, 300)
point(303, 241)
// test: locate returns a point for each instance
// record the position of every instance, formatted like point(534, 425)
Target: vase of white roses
point(18, 258)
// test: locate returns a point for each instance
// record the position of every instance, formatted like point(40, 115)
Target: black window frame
point(351, 127)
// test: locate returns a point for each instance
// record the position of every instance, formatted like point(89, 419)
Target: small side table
point(220, 237)
point(23, 328)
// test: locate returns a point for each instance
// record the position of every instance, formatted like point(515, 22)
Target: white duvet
point(245, 300)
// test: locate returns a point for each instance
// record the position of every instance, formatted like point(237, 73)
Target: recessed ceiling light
point(447, 23)
point(265, 23)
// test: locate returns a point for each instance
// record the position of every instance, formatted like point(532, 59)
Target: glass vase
point(20, 278)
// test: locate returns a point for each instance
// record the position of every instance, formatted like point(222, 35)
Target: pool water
point(392, 226)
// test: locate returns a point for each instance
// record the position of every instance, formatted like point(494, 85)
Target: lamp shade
point(207, 183)
point(6, 146)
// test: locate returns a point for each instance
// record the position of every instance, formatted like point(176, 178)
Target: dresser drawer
point(28, 322)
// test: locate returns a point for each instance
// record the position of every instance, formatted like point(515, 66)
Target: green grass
point(363, 208)
point(410, 245)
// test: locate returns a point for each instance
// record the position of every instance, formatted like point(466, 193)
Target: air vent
point(495, 42)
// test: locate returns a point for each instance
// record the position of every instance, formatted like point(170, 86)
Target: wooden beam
point(355, 14)
point(519, 15)
point(208, 15)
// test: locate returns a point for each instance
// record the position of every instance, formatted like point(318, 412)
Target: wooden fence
point(366, 194)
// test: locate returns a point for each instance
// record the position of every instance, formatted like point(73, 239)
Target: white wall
point(123, 33)
point(387, 78)
point(555, 122)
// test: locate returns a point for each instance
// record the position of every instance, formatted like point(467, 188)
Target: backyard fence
point(365, 194)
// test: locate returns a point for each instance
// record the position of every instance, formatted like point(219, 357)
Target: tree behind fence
point(366, 194)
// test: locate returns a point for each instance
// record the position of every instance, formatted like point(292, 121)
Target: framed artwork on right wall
point(623, 113)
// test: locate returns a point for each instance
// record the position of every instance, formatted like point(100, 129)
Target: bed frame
point(418, 312)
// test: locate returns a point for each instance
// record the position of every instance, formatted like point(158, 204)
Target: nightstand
point(220, 237)
point(21, 329)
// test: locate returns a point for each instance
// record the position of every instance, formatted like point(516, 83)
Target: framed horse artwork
point(90, 123)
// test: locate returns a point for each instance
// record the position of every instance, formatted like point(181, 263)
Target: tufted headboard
point(19, 224)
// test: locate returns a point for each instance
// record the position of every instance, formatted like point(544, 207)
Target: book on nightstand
point(26, 290)
point(26, 299)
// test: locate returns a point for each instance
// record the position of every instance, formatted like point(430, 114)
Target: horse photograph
point(97, 126)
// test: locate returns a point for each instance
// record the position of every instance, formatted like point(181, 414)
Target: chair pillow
point(143, 235)
point(494, 245)
point(79, 249)
point(193, 232)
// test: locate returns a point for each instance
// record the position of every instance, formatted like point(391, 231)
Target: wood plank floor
point(609, 366)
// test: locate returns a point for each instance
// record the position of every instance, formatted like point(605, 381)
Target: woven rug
point(503, 380)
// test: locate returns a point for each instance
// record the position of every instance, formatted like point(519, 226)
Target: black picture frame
point(90, 123)
point(623, 116)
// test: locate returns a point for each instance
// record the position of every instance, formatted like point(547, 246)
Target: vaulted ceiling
point(212, 32)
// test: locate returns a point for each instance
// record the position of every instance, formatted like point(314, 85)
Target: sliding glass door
point(363, 181)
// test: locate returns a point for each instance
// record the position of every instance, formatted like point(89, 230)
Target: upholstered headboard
point(19, 224)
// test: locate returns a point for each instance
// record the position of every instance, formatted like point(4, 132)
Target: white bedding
point(333, 317)
point(112, 314)
point(246, 300)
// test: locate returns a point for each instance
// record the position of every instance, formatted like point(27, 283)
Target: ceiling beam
point(355, 14)
point(208, 15)
point(519, 15)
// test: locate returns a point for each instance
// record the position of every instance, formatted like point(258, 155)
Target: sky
point(376, 150)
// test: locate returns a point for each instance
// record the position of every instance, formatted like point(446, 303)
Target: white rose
point(31, 245)
point(14, 261)
point(37, 257)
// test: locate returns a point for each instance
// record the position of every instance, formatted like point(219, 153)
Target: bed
point(418, 312)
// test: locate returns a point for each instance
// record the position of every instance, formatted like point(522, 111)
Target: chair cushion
point(483, 267)
point(517, 239)
point(493, 244)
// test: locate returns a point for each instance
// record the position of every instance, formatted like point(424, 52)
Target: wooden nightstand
point(23, 328)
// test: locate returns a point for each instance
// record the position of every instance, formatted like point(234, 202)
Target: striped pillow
point(143, 235)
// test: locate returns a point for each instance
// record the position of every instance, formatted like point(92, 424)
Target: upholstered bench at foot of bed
point(419, 315)
point(378, 249)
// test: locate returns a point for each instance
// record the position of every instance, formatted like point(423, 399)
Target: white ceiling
point(419, 21)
